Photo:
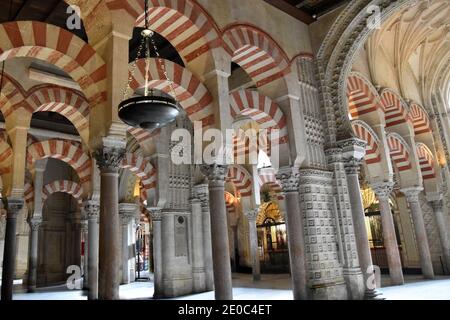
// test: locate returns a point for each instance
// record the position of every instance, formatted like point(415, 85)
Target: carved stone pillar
point(203, 194)
point(156, 214)
point(219, 231)
point(295, 232)
point(34, 223)
point(412, 197)
point(9, 252)
point(383, 191)
point(92, 209)
point(127, 212)
point(197, 246)
point(443, 229)
point(359, 223)
point(251, 216)
point(108, 161)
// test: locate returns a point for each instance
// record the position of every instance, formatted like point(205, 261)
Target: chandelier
point(150, 111)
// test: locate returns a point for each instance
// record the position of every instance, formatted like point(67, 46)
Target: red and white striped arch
point(58, 47)
point(63, 186)
point(12, 96)
point(190, 92)
point(260, 109)
point(230, 203)
point(426, 161)
point(142, 168)
point(420, 119)
point(399, 151)
point(257, 53)
point(364, 132)
point(267, 177)
point(68, 151)
point(362, 96)
point(182, 22)
point(28, 194)
point(6, 154)
point(241, 180)
point(66, 102)
point(395, 109)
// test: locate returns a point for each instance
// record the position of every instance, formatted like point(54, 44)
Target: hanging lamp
point(150, 111)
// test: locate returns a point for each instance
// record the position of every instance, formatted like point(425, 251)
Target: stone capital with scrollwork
point(412, 194)
point(383, 190)
point(289, 180)
point(91, 209)
point(109, 158)
point(252, 214)
point(14, 206)
point(216, 174)
point(155, 213)
point(35, 223)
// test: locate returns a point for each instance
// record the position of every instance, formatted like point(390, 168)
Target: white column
point(156, 214)
point(251, 216)
point(92, 209)
point(127, 212)
point(84, 234)
point(34, 223)
point(198, 263)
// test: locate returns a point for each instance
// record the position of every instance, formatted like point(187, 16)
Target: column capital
point(84, 225)
point(252, 214)
point(194, 200)
point(289, 179)
point(383, 190)
point(412, 193)
point(14, 206)
point(353, 165)
point(215, 173)
point(91, 209)
point(109, 158)
point(35, 223)
point(156, 213)
point(437, 205)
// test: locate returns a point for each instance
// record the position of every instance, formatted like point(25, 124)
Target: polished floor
point(271, 287)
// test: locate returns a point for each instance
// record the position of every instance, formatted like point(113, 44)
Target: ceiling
point(306, 10)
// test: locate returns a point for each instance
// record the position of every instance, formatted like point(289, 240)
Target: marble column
point(295, 232)
point(127, 212)
point(85, 235)
point(251, 216)
point(156, 214)
point(203, 194)
point(92, 209)
point(198, 265)
point(443, 229)
point(234, 242)
point(34, 223)
point(219, 231)
point(359, 223)
point(109, 159)
point(383, 191)
point(76, 243)
point(9, 252)
point(412, 197)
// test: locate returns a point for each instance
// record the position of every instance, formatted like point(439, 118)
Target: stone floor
point(271, 287)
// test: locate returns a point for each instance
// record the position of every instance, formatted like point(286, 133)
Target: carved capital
point(288, 179)
point(383, 190)
point(251, 215)
point(156, 213)
point(412, 194)
point(437, 205)
point(109, 158)
point(91, 209)
point(353, 165)
point(13, 206)
point(35, 223)
point(216, 173)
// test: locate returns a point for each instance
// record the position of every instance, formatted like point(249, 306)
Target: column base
point(373, 295)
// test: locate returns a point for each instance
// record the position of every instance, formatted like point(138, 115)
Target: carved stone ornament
point(383, 190)
point(156, 213)
point(412, 194)
point(289, 180)
point(109, 158)
point(35, 223)
point(92, 209)
point(215, 173)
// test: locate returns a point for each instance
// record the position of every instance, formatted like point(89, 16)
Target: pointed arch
point(68, 151)
point(399, 151)
point(242, 180)
point(6, 154)
point(63, 186)
point(267, 177)
point(364, 132)
point(426, 161)
point(60, 48)
point(362, 96)
point(192, 95)
point(395, 109)
point(419, 118)
point(257, 53)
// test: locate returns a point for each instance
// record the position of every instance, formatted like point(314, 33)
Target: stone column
point(9, 251)
point(383, 191)
point(203, 195)
point(219, 231)
point(198, 263)
point(34, 223)
point(359, 222)
point(85, 235)
point(92, 209)
point(127, 212)
point(295, 232)
point(251, 216)
point(108, 160)
point(412, 197)
point(234, 242)
point(156, 214)
point(76, 243)
point(443, 229)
